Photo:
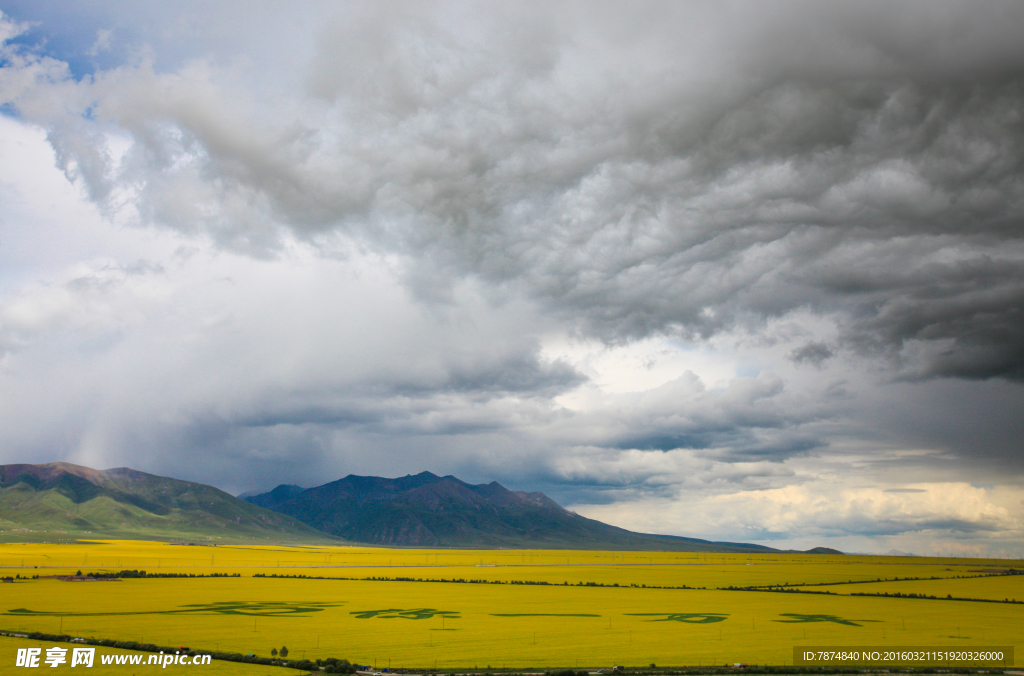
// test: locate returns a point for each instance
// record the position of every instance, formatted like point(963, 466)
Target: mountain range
point(125, 503)
point(425, 510)
point(422, 510)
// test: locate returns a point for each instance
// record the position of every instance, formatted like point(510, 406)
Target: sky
point(742, 271)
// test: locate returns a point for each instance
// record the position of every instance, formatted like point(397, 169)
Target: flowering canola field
point(525, 609)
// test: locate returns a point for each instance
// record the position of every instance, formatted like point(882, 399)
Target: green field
point(526, 609)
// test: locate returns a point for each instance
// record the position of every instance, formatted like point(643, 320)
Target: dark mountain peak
point(428, 475)
point(374, 484)
point(276, 496)
point(421, 509)
point(427, 510)
point(448, 491)
point(289, 490)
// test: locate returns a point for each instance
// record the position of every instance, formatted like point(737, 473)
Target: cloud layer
point(591, 246)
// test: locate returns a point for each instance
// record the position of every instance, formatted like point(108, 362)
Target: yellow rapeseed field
point(450, 625)
point(651, 568)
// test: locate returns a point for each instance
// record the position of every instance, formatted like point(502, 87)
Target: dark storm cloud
point(521, 373)
point(814, 352)
point(740, 440)
point(979, 425)
point(750, 420)
point(405, 400)
point(874, 527)
point(861, 159)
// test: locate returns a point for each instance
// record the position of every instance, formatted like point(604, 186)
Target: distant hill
point(896, 552)
point(425, 510)
point(125, 503)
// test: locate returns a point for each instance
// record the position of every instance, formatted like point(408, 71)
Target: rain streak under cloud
point(745, 271)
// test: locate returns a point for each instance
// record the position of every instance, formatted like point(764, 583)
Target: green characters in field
point(260, 608)
point(689, 618)
point(410, 614)
point(798, 618)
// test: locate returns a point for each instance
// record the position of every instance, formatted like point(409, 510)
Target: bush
point(336, 666)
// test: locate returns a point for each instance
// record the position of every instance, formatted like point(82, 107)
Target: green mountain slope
point(125, 503)
point(426, 510)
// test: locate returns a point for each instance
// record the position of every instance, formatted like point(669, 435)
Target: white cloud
point(102, 44)
point(937, 518)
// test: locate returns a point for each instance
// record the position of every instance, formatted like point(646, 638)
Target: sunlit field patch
point(978, 586)
point(648, 618)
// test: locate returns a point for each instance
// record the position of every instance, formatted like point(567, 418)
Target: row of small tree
point(283, 653)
